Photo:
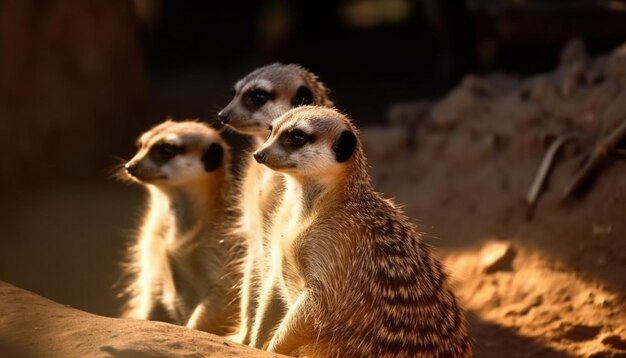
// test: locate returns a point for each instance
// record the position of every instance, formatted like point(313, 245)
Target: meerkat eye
point(166, 151)
point(258, 97)
point(297, 138)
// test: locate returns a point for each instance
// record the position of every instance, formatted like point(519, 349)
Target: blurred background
point(80, 80)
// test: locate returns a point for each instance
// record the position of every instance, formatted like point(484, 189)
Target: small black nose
point(131, 168)
point(224, 117)
point(260, 157)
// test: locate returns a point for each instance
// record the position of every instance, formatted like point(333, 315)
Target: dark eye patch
point(257, 97)
point(163, 151)
point(303, 97)
point(296, 138)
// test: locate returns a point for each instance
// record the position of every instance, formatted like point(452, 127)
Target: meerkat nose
point(224, 117)
point(131, 168)
point(260, 157)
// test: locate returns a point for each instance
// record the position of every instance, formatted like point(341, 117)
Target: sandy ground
point(548, 284)
point(32, 326)
point(552, 284)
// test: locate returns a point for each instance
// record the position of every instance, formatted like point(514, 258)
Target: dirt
point(542, 281)
point(32, 326)
point(548, 282)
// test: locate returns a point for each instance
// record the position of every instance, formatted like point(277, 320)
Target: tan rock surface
point(32, 326)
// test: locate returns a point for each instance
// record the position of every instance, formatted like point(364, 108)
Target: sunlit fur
point(182, 266)
point(261, 188)
point(352, 268)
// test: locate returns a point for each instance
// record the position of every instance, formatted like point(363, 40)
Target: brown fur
point(357, 278)
point(261, 190)
point(182, 267)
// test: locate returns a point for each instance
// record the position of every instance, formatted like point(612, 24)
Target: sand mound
point(539, 281)
point(32, 326)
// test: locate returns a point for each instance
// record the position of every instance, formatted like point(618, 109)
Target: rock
point(497, 256)
point(32, 326)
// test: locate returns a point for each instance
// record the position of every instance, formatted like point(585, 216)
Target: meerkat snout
point(260, 156)
point(224, 116)
point(131, 168)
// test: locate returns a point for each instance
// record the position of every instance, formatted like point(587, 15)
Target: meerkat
point(260, 97)
point(182, 265)
point(351, 267)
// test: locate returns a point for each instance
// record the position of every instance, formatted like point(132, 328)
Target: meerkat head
point(267, 93)
point(177, 153)
point(310, 141)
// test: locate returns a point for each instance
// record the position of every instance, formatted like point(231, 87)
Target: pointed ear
point(344, 146)
point(212, 157)
point(303, 97)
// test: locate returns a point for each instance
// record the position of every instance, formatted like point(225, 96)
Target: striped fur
point(353, 270)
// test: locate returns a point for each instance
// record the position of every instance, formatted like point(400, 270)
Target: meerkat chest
point(266, 189)
point(292, 274)
point(291, 230)
point(288, 223)
point(252, 215)
point(289, 240)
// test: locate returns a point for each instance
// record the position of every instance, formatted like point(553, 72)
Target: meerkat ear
point(212, 157)
point(303, 97)
point(344, 146)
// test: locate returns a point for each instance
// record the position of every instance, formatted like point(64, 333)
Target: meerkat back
point(353, 270)
point(182, 266)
